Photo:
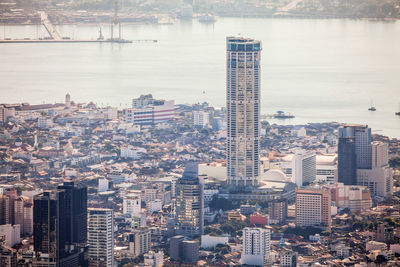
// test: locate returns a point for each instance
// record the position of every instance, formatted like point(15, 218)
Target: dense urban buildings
point(83, 185)
point(243, 111)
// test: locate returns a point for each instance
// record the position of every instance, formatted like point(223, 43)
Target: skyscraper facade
point(243, 110)
point(347, 161)
point(190, 203)
point(100, 238)
point(57, 227)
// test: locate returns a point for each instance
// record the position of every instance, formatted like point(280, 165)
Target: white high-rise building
point(304, 169)
point(101, 238)
point(243, 110)
point(201, 118)
point(379, 179)
point(256, 246)
point(131, 204)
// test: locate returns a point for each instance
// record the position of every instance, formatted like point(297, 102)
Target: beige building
point(313, 207)
point(353, 197)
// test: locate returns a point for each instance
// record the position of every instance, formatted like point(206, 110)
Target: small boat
point(372, 108)
point(282, 115)
point(208, 18)
point(398, 112)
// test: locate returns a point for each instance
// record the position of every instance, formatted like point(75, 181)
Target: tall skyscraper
point(100, 238)
point(190, 203)
point(304, 167)
point(75, 212)
point(56, 227)
point(354, 144)
point(347, 161)
point(313, 207)
point(243, 110)
point(256, 246)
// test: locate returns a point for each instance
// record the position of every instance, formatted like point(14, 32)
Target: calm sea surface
point(319, 70)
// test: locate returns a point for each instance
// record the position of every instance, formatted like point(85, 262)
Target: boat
point(207, 18)
point(372, 108)
point(282, 115)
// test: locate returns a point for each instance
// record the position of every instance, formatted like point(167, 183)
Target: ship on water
point(283, 115)
point(207, 18)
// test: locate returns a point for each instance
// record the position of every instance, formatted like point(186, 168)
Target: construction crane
point(115, 21)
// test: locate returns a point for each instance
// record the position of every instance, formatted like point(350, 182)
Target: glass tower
point(243, 110)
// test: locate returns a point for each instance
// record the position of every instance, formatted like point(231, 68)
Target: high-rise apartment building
point(190, 203)
point(256, 246)
point(304, 169)
point(313, 207)
point(100, 238)
point(243, 110)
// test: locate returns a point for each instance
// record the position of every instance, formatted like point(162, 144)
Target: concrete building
point(208, 241)
point(277, 211)
point(103, 184)
point(12, 234)
point(379, 179)
point(313, 207)
point(131, 204)
point(288, 258)
point(184, 250)
point(190, 203)
point(131, 152)
point(146, 111)
point(355, 198)
point(101, 238)
point(6, 113)
point(304, 167)
point(139, 241)
point(154, 259)
point(243, 110)
point(201, 118)
point(256, 246)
